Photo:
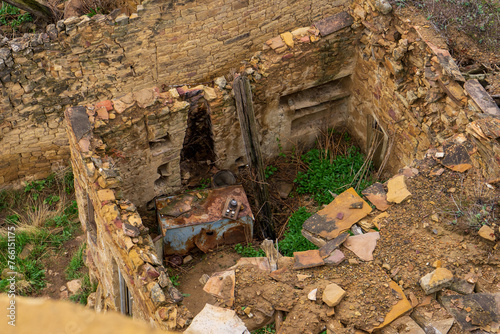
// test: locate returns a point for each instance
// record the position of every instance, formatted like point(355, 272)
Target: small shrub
point(175, 280)
point(10, 15)
point(269, 171)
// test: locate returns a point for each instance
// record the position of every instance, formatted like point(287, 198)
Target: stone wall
point(362, 69)
point(120, 254)
point(82, 60)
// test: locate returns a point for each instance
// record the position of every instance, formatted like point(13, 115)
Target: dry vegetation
point(478, 19)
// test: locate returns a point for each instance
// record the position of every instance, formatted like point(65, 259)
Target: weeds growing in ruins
point(76, 263)
point(44, 215)
point(248, 251)
point(12, 16)
point(327, 175)
point(293, 240)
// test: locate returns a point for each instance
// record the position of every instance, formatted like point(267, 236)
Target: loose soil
point(438, 223)
point(56, 261)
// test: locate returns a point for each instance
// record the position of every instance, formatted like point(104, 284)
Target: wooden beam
point(244, 107)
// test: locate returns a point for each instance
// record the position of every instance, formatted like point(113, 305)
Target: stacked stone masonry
point(133, 83)
point(83, 60)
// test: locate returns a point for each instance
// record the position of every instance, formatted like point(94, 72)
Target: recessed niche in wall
point(320, 117)
point(302, 102)
point(160, 185)
point(160, 145)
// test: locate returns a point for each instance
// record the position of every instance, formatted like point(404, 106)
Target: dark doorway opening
point(197, 155)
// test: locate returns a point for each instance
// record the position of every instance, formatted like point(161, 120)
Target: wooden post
point(244, 107)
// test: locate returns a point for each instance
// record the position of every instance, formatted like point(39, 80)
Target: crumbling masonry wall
point(82, 60)
point(120, 253)
point(355, 66)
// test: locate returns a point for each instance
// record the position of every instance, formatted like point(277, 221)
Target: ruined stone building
point(123, 100)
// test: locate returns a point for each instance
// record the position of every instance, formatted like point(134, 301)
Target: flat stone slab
point(397, 190)
point(325, 223)
point(307, 259)
point(473, 311)
point(79, 121)
point(363, 245)
point(483, 100)
point(333, 23)
point(377, 195)
point(260, 262)
point(331, 245)
point(462, 286)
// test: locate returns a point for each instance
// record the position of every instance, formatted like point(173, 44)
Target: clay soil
point(438, 223)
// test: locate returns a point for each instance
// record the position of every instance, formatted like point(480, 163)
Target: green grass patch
point(76, 263)
point(326, 175)
point(45, 224)
point(293, 240)
point(248, 251)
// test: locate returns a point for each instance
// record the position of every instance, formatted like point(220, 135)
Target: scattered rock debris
point(421, 269)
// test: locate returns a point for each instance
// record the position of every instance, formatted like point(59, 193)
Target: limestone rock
point(74, 286)
point(220, 81)
point(106, 195)
point(130, 230)
point(487, 233)
point(437, 280)
point(144, 97)
point(333, 294)
point(26, 251)
point(397, 191)
point(383, 6)
point(287, 37)
point(209, 93)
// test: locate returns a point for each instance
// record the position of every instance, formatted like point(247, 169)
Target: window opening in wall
point(376, 140)
point(197, 155)
point(126, 299)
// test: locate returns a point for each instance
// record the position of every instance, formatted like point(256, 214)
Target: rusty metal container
point(201, 219)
